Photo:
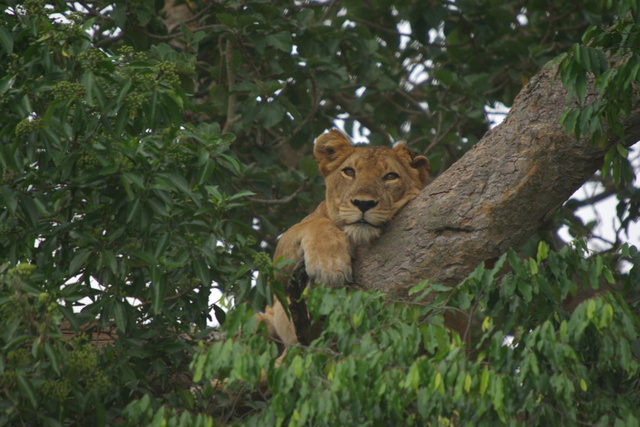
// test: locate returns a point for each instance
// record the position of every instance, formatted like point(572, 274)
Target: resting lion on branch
point(365, 187)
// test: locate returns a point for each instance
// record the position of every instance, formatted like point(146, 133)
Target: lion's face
point(367, 186)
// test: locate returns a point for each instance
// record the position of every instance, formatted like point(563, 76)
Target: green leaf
point(146, 257)
point(305, 16)
point(27, 389)
point(419, 287)
point(438, 384)
point(463, 301)
point(120, 315)
point(6, 83)
point(79, 260)
point(121, 119)
point(133, 210)
point(599, 61)
point(580, 86)
point(584, 57)
point(596, 62)
point(226, 19)
point(622, 150)
point(172, 181)
point(220, 314)
point(526, 291)
point(591, 308)
point(202, 271)
point(616, 169)
point(484, 381)
point(624, 354)
point(569, 118)
point(583, 385)
point(158, 290)
point(467, 383)
point(246, 86)
point(516, 264)
point(9, 199)
point(278, 289)
point(608, 276)
point(413, 377)
point(124, 91)
point(53, 357)
point(206, 171)
point(151, 107)
point(134, 178)
point(230, 163)
point(577, 52)
point(270, 114)
point(70, 316)
point(281, 40)
point(608, 160)
point(6, 40)
point(496, 393)
point(241, 194)
point(233, 322)
point(197, 366)
point(543, 251)
point(586, 116)
point(110, 261)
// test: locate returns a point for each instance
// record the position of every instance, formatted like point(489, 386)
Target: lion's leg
point(284, 328)
point(327, 254)
point(279, 325)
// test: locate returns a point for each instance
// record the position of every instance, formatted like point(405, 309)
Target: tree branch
point(231, 82)
point(283, 201)
point(493, 198)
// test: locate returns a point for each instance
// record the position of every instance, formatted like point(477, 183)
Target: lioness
point(365, 187)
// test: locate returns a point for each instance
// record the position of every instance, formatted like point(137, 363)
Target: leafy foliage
point(587, 63)
point(393, 362)
point(277, 75)
point(121, 212)
point(150, 153)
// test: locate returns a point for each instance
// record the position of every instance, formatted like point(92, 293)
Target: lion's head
point(367, 185)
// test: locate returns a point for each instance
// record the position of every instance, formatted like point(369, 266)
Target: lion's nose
point(364, 205)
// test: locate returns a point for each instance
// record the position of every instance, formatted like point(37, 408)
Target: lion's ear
point(331, 149)
point(418, 162)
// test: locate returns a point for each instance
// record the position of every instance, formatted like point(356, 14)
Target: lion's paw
point(328, 260)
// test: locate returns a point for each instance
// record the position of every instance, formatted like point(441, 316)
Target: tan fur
point(365, 187)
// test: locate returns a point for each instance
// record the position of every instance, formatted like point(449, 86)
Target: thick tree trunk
point(493, 198)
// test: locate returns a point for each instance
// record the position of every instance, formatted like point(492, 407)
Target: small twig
point(170, 37)
point(198, 15)
point(504, 83)
point(231, 81)
point(373, 125)
point(440, 135)
point(308, 347)
point(440, 307)
point(379, 27)
point(279, 201)
point(606, 193)
point(109, 40)
point(328, 10)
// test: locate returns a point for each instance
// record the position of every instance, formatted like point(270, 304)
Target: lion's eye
point(391, 176)
point(350, 172)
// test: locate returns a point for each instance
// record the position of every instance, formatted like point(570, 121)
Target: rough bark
point(495, 197)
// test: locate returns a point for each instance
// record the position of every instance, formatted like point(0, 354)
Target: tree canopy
point(151, 152)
